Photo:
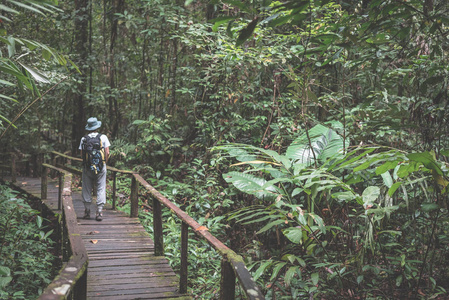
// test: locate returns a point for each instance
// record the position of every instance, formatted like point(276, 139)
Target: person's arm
point(106, 154)
point(80, 148)
point(106, 145)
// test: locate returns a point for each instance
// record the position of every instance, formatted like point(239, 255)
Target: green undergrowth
point(26, 258)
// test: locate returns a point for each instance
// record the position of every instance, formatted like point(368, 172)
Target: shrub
point(26, 264)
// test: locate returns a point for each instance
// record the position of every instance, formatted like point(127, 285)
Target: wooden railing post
point(184, 262)
point(227, 282)
point(35, 166)
point(114, 189)
point(64, 239)
point(53, 162)
point(38, 160)
point(80, 291)
point(61, 187)
point(44, 183)
point(134, 198)
point(27, 168)
point(157, 228)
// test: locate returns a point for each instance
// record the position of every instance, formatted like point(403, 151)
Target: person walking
point(95, 153)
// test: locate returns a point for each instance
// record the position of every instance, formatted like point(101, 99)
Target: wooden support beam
point(134, 198)
point(61, 187)
point(227, 282)
point(157, 229)
point(44, 183)
point(184, 262)
point(114, 189)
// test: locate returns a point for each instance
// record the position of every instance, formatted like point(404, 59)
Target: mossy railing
point(71, 282)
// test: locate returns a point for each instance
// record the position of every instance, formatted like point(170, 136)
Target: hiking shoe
point(86, 214)
point(99, 217)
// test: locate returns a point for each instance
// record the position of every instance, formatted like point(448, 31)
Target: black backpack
point(93, 153)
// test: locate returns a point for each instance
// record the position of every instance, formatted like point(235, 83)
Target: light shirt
point(104, 139)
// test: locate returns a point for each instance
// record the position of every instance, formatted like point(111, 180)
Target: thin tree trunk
point(90, 45)
point(161, 69)
point(173, 73)
point(114, 111)
point(428, 7)
point(81, 43)
point(143, 80)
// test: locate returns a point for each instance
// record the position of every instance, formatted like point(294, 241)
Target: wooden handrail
point(229, 257)
point(71, 282)
point(18, 157)
point(232, 265)
point(77, 159)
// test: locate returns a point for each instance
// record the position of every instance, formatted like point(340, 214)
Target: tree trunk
point(428, 7)
point(81, 49)
point(173, 74)
point(160, 83)
point(114, 111)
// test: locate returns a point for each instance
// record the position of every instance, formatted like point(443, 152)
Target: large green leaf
point(388, 180)
point(324, 144)
point(4, 281)
point(393, 188)
point(344, 196)
point(276, 270)
point(427, 160)
point(5, 276)
point(241, 154)
point(5, 271)
point(8, 9)
point(35, 73)
point(271, 225)
point(369, 195)
point(262, 268)
point(290, 273)
point(251, 184)
point(294, 234)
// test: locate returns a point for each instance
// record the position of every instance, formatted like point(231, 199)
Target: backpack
point(93, 153)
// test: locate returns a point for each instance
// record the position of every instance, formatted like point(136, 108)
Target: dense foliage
point(308, 135)
point(26, 260)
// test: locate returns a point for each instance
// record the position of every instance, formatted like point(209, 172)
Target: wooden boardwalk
point(122, 264)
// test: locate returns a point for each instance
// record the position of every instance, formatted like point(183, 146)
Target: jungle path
point(122, 264)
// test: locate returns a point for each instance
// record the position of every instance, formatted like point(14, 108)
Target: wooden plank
point(142, 296)
point(128, 262)
point(109, 223)
point(162, 269)
point(115, 250)
point(102, 246)
point(135, 234)
point(116, 255)
point(163, 292)
point(133, 277)
point(161, 283)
